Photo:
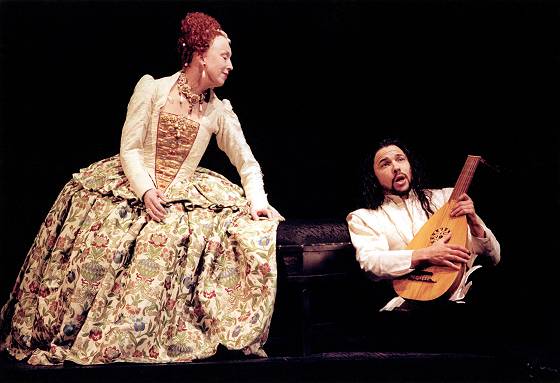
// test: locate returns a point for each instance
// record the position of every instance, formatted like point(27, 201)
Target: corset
point(175, 137)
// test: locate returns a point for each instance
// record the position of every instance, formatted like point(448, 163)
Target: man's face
point(392, 169)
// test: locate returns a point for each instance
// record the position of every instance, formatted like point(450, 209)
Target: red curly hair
point(198, 30)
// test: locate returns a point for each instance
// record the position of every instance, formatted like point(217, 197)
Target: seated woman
point(146, 257)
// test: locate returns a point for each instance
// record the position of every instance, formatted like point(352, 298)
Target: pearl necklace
point(185, 91)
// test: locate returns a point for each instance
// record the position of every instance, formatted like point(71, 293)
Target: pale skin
point(206, 70)
point(394, 173)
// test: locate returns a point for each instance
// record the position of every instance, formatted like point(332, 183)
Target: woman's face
point(218, 62)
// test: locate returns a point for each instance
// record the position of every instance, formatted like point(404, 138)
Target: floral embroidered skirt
point(102, 283)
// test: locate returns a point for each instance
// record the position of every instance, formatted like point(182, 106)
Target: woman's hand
point(153, 200)
point(465, 206)
point(265, 213)
point(441, 253)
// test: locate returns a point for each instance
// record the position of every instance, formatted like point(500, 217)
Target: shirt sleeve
point(488, 246)
point(231, 140)
point(132, 140)
point(373, 253)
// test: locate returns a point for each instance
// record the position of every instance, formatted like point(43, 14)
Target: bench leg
point(306, 335)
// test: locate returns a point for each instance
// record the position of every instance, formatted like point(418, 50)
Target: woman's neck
point(194, 78)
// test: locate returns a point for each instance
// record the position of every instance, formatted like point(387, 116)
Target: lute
point(429, 283)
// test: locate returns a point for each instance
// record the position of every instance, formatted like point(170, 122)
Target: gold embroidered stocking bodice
point(175, 137)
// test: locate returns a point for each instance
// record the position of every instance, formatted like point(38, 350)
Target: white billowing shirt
point(380, 238)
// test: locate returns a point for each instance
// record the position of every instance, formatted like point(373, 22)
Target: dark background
point(315, 84)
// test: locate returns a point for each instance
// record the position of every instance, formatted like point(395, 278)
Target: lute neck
point(465, 178)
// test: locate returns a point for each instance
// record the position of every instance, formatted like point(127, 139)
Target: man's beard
point(403, 193)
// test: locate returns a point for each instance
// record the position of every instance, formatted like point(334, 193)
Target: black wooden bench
point(316, 268)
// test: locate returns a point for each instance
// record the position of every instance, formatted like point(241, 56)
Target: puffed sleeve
point(372, 250)
point(231, 140)
point(134, 131)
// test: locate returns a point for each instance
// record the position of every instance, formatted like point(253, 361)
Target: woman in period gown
point(146, 257)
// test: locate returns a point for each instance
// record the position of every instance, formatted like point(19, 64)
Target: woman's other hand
point(153, 200)
point(265, 213)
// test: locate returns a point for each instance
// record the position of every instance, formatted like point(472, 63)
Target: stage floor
point(229, 366)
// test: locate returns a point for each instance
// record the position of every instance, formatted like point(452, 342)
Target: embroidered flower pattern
point(130, 291)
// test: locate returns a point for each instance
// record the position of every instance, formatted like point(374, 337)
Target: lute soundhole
point(438, 234)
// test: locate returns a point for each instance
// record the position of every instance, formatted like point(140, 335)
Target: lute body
point(432, 282)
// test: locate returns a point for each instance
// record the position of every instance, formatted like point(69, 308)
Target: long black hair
point(373, 194)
